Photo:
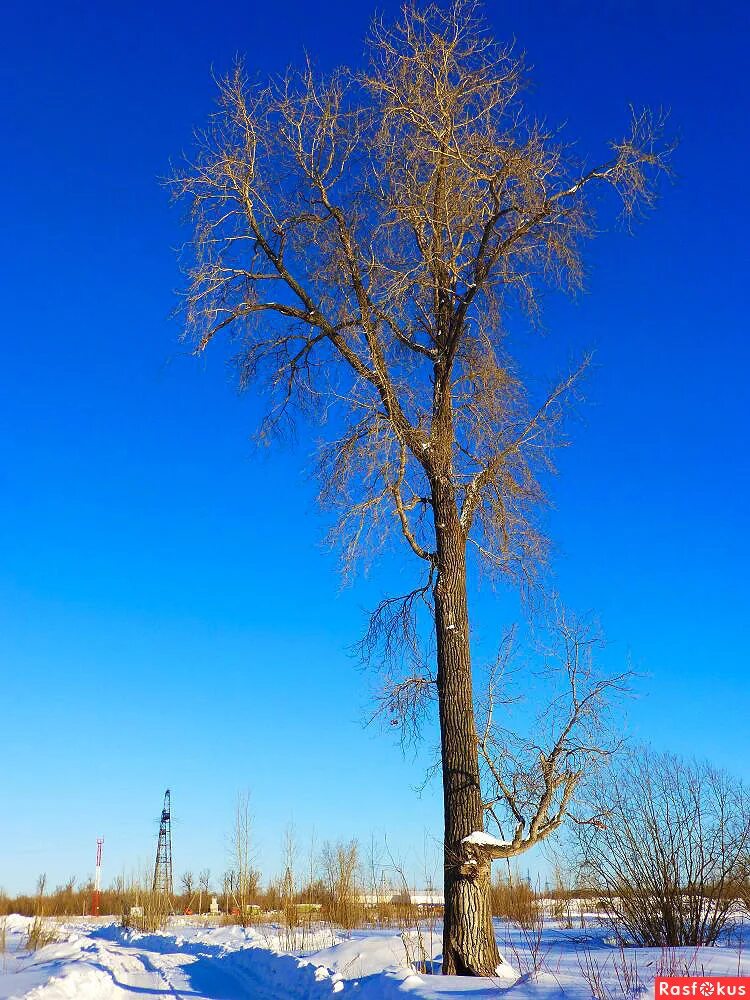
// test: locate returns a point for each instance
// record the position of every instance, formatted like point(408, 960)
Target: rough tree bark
point(469, 946)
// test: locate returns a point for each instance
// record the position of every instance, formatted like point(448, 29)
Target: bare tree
point(243, 879)
point(188, 885)
point(290, 877)
point(204, 881)
point(228, 890)
point(340, 863)
point(364, 237)
point(670, 851)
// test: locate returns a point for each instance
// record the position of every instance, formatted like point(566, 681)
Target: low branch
point(536, 786)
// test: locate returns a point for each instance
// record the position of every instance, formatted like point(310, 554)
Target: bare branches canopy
point(361, 236)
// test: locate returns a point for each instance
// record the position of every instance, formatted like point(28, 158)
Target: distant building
point(411, 897)
point(426, 897)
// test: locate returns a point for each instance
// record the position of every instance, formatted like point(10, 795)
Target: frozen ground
point(99, 960)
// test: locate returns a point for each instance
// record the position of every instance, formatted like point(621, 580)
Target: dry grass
point(39, 934)
point(513, 899)
point(155, 909)
point(624, 966)
point(561, 906)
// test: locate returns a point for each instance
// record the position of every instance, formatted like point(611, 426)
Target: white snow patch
point(483, 839)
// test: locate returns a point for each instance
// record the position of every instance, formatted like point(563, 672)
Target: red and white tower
point(97, 878)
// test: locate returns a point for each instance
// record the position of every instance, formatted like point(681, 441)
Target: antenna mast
point(163, 866)
point(97, 878)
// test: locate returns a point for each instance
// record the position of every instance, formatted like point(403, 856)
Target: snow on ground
point(99, 960)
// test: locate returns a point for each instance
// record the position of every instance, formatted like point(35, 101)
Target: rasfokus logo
point(702, 986)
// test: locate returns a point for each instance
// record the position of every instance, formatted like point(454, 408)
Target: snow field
point(99, 960)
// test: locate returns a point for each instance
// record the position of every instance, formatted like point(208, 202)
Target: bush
point(667, 848)
point(342, 904)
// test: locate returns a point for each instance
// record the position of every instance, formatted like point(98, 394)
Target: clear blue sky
point(167, 615)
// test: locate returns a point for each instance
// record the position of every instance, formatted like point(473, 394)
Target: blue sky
point(167, 613)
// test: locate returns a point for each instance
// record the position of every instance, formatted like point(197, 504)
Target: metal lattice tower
point(163, 866)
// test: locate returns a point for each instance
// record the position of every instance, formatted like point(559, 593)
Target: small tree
point(340, 866)
point(204, 881)
point(243, 880)
point(669, 850)
point(188, 886)
point(365, 237)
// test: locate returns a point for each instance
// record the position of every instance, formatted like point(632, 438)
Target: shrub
point(342, 904)
point(666, 847)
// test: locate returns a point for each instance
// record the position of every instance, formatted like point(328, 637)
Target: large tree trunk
point(469, 946)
